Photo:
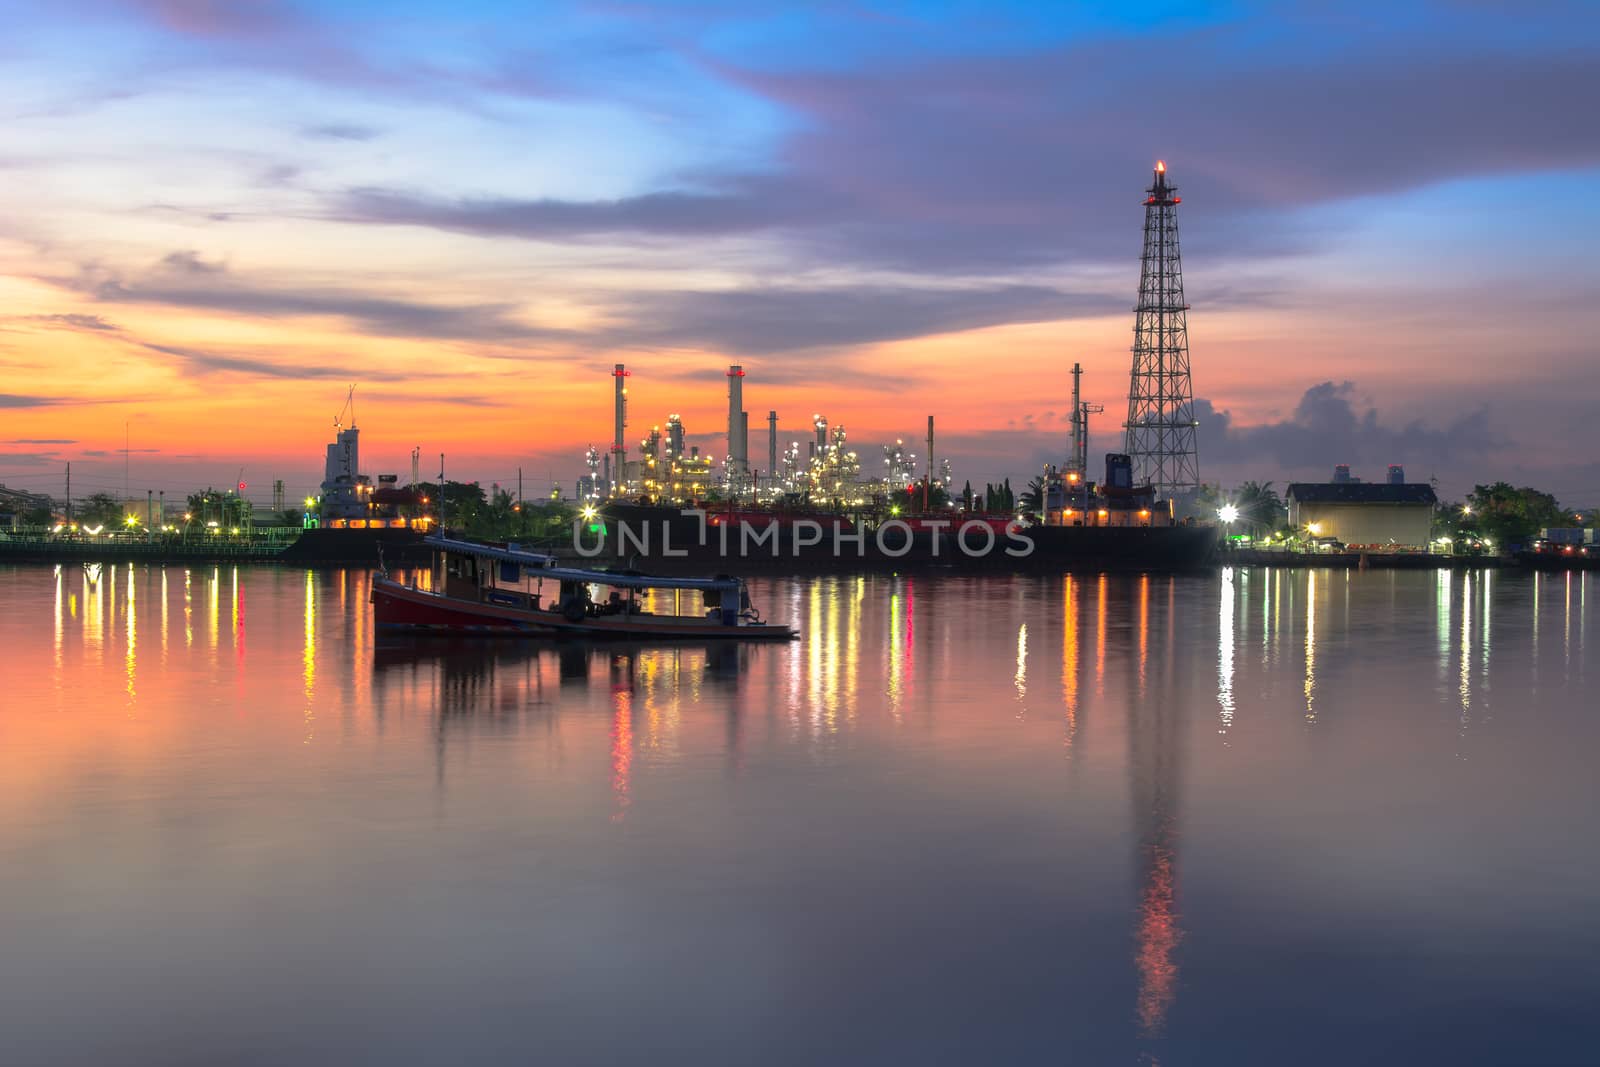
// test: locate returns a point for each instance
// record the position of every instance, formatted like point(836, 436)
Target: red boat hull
point(400, 607)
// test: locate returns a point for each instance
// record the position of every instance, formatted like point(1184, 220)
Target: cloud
point(1327, 427)
point(246, 19)
point(183, 279)
point(963, 165)
point(190, 263)
point(76, 322)
point(42, 441)
point(28, 459)
point(340, 131)
point(203, 362)
point(730, 205)
point(782, 320)
point(16, 400)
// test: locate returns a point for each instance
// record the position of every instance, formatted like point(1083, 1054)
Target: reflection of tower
point(1160, 427)
point(1154, 765)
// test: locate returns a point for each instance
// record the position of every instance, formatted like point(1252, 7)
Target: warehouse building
point(1389, 514)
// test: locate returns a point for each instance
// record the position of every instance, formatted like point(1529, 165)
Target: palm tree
point(1033, 498)
point(1260, 506)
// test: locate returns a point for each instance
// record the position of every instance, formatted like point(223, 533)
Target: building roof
point(1362, 493)
point(540, 565)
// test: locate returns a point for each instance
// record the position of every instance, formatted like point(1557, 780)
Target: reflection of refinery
point(821, 469)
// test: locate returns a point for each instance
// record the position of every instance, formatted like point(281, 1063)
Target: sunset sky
point(216, 216)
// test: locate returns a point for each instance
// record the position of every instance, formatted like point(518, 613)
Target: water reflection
point(832, 784)
point(1311, 647)
point(1225, 639)
point(308, 660)
point(1020, 679)
point(1155, 744)
point(1069, 656)
point(130, 653)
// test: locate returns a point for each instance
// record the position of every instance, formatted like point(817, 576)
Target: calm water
point(1261, 817)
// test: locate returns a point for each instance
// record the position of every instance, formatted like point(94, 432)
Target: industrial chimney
point(772, 446)
point(619, 442)
point(736, 464)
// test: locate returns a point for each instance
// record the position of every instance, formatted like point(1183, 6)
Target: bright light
point(1313, 528)
point(1073, 477)
point(895, 510)
point(187, 516)
point(56, 528)
point(1161, 166)
point(93, 530)
point(589, 512)
point(1466, 509)
point(311, 502)
point(129, 520)
point(1228, 513)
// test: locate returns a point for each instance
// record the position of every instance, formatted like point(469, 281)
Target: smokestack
point(772, 446)
point(735, 422)
point(619, 442)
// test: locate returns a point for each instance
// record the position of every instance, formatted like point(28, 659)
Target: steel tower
point(1160, 427)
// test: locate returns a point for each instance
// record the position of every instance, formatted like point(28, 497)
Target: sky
point(218, 215)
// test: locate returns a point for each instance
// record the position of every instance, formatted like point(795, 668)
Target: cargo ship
point(1081, 527)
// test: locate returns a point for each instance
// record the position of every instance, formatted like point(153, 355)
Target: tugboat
point(484, 589)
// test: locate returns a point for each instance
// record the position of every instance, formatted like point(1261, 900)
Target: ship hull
point(398, 607)
point(667, 541)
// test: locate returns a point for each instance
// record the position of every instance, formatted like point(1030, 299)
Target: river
point(1258, 816)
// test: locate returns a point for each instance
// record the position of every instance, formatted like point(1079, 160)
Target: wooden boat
point(484, 589)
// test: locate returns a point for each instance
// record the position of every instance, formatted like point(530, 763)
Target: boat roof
point(547, 568)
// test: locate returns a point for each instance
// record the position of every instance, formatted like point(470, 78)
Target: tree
point(1259, 506)
point(1511, 516)
point(1033, 498)
point(459, 504)
point(211, 505)
point(101, 509)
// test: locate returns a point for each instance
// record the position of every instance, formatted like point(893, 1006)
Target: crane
point(350, 406)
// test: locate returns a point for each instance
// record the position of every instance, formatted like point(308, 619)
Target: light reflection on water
point(880, 813)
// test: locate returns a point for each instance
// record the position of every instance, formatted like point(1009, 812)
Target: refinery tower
point(1160, 437)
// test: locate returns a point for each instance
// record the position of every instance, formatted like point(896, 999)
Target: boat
point(477, 588)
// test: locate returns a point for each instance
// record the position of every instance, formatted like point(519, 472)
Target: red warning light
point(241, 487)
